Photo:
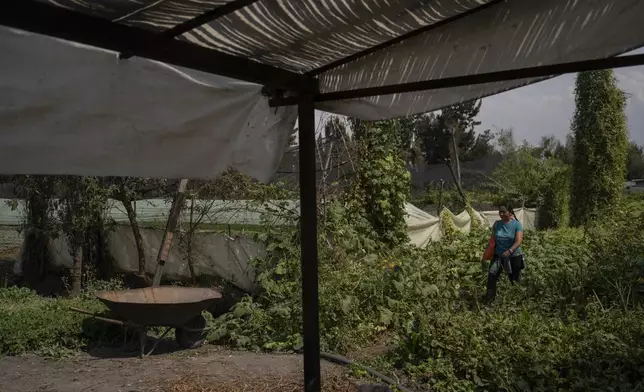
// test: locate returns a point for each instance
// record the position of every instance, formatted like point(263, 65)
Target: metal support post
point(309, 251)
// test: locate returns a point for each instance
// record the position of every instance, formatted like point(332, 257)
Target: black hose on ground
point(340, 360)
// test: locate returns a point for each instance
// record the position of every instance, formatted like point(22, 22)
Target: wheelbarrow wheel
point(193, 334)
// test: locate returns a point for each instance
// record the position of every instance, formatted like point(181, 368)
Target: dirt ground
point(205, 369)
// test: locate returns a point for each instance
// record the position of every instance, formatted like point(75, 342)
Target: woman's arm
point(518, 238)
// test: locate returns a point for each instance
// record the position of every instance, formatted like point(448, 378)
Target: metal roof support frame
point(200, 20)
point(42, 18)
point(470, 80)
point(399, 39)
point(309, 243)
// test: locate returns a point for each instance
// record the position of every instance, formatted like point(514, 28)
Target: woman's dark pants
point(512, 266)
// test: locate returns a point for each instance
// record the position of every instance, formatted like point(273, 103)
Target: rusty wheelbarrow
point(177, 308)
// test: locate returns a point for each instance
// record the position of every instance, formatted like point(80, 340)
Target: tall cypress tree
point(600, 145)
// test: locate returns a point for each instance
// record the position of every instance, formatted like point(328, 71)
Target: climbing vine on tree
point(382, 183)
point(600, 145)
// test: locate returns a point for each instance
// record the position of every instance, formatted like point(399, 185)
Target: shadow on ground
point(111, 341)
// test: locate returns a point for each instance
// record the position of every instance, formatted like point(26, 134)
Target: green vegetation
point(600, 145)
point(30, 323)
point(576, 322)
point(381, 187)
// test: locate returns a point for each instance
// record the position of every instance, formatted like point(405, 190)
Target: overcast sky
point(546, 108)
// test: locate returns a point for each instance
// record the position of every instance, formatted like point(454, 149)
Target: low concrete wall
point(213, 254)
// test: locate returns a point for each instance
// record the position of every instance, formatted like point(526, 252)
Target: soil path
point(105, 371)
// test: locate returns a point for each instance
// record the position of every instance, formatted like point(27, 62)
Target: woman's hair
point(511, 211)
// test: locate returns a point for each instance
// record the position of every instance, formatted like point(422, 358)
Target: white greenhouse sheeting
point(151, 211)
point(213, 254)
point(422, 226)
point(71, 109)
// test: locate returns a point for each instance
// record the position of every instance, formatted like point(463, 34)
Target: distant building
point(340, 167)
point(634, 185)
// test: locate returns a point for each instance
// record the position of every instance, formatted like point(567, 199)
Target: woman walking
point(507, 235)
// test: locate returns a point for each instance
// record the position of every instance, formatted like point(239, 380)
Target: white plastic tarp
point(424, 228)
point(527, 217)
point(70, 109)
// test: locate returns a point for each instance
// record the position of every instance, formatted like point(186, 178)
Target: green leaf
point(241, 310)
point(477, 380)
point(430, 289)
point(370, 258)
point(281, 311)
point(385, 316)
point(346, 304)
point(243, 341)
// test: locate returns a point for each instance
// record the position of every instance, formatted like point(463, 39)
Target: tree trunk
point(104, 268)
point(34, 261)
point(455, 152)
point(136, 231)
point(458, 183)
point(77, 268)
point(191, 229)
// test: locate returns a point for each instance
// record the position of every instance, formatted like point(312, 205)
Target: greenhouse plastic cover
point(67, 109)
point(70, 109)
point(422, 227)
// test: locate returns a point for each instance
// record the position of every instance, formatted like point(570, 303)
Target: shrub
point(549, 333)
point(554, 211)
point(575, 323)
point(523, 350)
point(29, 323)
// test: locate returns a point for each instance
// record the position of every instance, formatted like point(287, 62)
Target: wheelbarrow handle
point(104, 319)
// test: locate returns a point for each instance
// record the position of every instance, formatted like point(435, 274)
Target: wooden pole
point(173, 219)
point(440, 198)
